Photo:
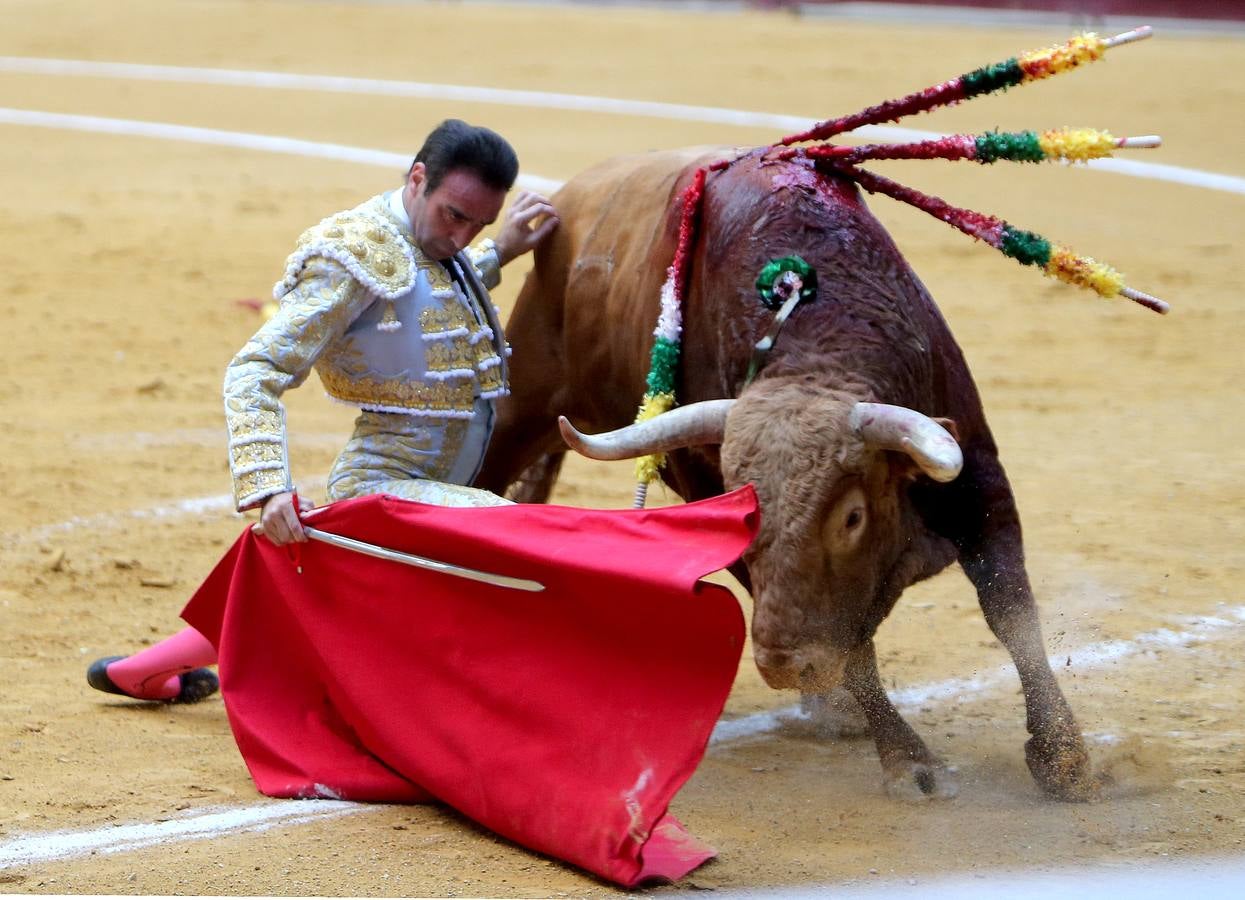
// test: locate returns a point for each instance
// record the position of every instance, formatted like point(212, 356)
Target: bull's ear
point(949, 424)
point(902, 467)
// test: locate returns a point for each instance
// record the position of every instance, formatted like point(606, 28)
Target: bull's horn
point(686, 426)
point(897, 428)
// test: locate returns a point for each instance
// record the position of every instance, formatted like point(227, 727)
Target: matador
point(389, 303)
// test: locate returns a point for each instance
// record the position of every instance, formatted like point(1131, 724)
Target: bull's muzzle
point(810, 668)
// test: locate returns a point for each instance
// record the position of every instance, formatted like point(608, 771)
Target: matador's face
point(448, 218)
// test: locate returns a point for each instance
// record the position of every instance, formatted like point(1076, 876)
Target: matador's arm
point(314, 313)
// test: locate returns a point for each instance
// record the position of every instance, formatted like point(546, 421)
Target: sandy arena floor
point(123, 259)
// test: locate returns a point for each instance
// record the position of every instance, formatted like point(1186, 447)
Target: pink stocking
point(152, 674)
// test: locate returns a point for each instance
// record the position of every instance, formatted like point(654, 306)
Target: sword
point(420, 562)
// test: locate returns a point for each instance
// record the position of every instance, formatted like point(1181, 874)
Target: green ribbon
point(774, 269)
point(1019, 146)
point(663, 362)
point(993, 77)
point(1025, 247)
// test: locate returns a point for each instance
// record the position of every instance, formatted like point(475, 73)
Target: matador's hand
point(529, 221)
point(279, 518)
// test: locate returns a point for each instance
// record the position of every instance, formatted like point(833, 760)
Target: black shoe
point(196, 684)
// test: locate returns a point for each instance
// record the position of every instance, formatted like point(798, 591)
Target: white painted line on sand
point(236, 139)
point(195, 825)
point(1228, 184)
point(413, 89)
point(188, 506)
point(191, 134)
point(534, 99)
point(1198, 630)
point(182, 437)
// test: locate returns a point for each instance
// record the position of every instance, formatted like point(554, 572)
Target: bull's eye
point(846, 522)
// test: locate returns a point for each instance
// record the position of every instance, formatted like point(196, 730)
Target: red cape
point(564, 720)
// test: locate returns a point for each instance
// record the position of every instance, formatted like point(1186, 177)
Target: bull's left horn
point(686, 426)
point(898, 428)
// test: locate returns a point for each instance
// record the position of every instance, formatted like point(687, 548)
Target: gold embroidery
point(449, 356)
point(400, 394)
point(490, 379)
point(453, 435)
point(438, 320)
point(256, 453)
point(255, 485)
point(442, 494)
point(313, 314)
point(389, 320)
point(471, 349)
point(361, 237)
point(319, 314)
point(254, 423)
point(460, 354)
point(379, 456)
point(438, 278)
point(422, 490)
point(344, 358)
point(483, 257)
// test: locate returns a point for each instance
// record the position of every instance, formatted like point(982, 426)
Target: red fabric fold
point(564, 720)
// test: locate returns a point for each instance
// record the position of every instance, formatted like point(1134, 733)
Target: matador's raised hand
point(530, 219)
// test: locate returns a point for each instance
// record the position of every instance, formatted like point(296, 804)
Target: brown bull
point(846, 431)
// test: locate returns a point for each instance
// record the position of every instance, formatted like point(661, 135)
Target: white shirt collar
point(399, 210)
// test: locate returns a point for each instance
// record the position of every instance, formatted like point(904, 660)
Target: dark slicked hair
point(456, 145)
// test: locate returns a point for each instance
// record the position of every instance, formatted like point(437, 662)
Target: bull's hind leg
point(992, 556)
point(910, 770)
point(535, 483)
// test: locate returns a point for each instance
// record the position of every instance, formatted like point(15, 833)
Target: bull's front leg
point(994, 561)
point(910, 770)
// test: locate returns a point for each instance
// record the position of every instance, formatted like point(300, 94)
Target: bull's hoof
point(919, 782)
point(835, 714)
point(1061, 767)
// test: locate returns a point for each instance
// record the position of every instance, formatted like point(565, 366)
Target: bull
point(862, 432)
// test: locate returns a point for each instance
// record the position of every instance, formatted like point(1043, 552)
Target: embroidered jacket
point(385, 328)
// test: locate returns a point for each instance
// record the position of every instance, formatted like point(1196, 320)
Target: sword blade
point(420, 562)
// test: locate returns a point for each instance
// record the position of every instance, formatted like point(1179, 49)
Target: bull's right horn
point(685, 426)
point(898, 428)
